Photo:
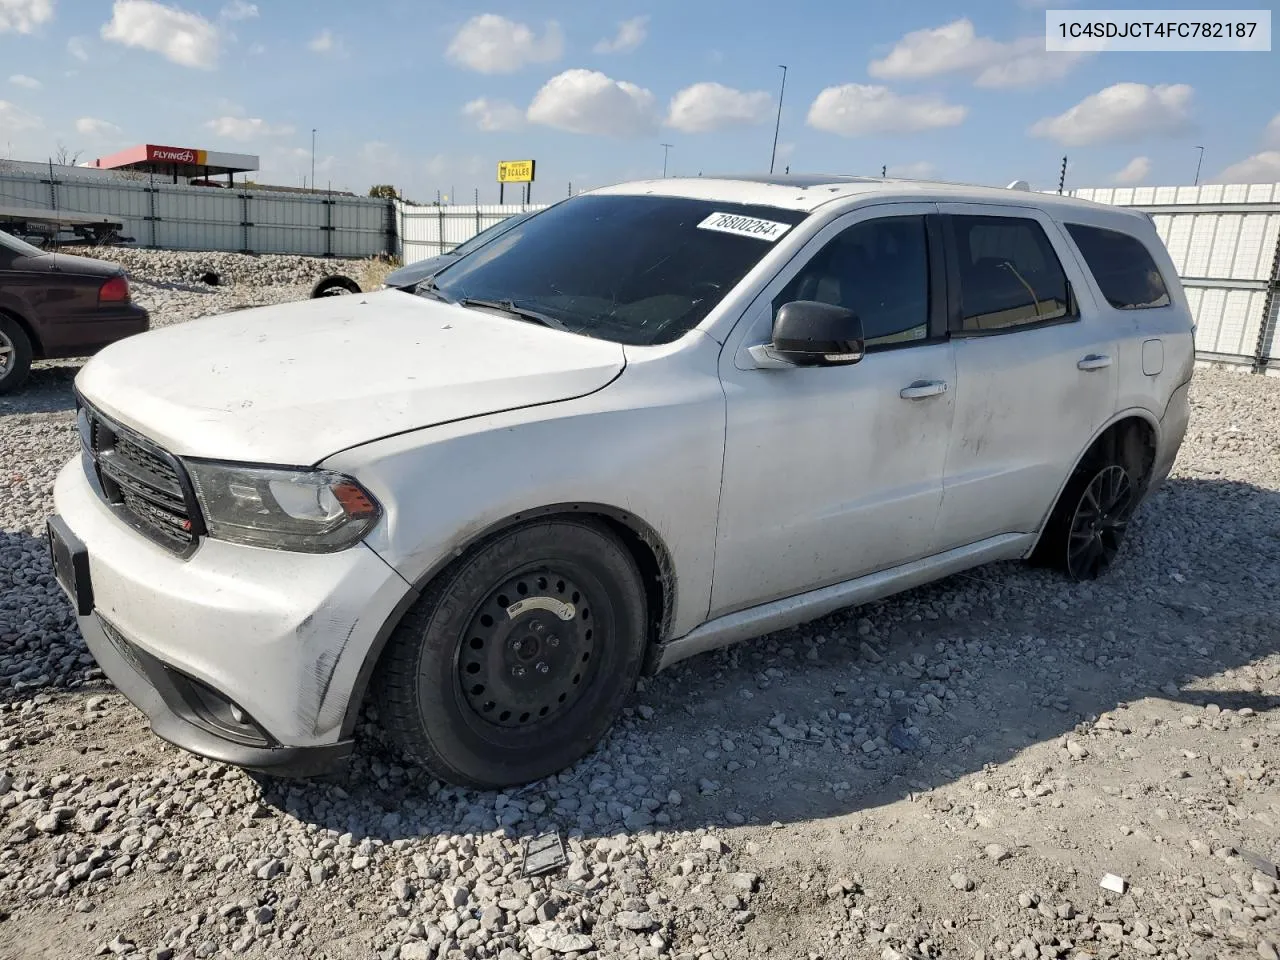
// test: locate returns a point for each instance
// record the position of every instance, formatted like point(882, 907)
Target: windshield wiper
point(429, 288)
point(508, 306)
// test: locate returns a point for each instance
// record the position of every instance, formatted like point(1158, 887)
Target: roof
point(189, 161)
point(807, 192)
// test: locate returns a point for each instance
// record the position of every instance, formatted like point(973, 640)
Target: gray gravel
point(947, 773)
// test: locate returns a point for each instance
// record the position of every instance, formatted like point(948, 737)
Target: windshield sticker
point(745, 226)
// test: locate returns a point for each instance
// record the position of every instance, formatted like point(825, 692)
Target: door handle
point(921, 389)
point(1094, 361)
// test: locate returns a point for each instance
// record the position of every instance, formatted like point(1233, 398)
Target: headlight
point(310, 511)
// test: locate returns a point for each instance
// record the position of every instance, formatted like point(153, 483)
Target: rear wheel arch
point(1131, 436)
point(638, 537)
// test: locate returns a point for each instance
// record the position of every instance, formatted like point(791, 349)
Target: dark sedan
point(58, 305)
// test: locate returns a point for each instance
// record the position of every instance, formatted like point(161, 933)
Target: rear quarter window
point(1122, 266)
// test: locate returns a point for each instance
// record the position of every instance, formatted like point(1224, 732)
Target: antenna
point(1019, 185)
point(1062, 176)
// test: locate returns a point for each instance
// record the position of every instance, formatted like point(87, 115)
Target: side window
point(879, 269)
point(1009, 274)
point(1122, 266)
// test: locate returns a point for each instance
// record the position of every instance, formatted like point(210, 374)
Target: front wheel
point(15, 355)
point(516, 660)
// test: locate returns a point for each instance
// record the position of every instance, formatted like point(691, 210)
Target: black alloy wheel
point(1099, 523)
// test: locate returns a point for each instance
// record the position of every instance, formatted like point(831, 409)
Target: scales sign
point(515, 171)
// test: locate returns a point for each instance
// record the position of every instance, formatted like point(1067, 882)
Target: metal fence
point(429, 230)
point(1224, 240)
point(157, 213)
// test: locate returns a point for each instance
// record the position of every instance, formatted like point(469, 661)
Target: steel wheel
point(526, 655)
point(1099, 523)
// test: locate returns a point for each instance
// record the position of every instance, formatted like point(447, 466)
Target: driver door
point(834, 472)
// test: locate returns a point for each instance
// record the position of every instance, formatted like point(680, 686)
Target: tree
point(65, 157)
point(384, 191)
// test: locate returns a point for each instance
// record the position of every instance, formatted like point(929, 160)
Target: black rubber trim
point(143, 679)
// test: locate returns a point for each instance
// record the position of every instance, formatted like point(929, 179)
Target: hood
point(418, 271)
point(294, 383)
point(69, 263)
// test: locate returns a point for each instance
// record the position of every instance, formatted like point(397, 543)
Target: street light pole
point(1198, 162)
point(665, 148)
point(313, 158)
point(778, 124)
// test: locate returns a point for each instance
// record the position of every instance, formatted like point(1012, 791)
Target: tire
point(1089, 522)
point(334, 286)
point(15, 354)
point(517, 658)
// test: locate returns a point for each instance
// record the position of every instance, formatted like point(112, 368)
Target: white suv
point(649, 421)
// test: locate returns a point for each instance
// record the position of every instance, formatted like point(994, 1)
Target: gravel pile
point(950, 773)
point(189, 267)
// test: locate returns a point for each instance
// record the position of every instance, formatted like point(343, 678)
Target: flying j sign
point(515, 171)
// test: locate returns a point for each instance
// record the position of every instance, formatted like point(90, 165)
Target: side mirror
point(811, 334)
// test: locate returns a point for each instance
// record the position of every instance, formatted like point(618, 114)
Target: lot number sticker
point(745, 226)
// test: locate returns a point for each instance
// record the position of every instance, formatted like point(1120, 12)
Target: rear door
point(1153, 327)
point(1035, 368)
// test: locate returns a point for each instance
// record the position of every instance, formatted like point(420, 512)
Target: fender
point(16, 307)
point(637, 527)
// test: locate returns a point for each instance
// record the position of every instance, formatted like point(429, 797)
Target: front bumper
point(165, 697)
point(241, 654)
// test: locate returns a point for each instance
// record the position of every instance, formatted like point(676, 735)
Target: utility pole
point(778, 123)
point(313, 158)
point(1062, 175)
point(666, 147)
point(1198, 162)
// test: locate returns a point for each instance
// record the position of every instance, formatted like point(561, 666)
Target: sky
point(430, 96)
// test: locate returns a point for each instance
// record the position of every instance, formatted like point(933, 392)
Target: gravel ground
point(948, 773)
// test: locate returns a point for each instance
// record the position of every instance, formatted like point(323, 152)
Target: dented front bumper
point(243, 654)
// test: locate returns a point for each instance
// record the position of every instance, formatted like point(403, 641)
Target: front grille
point(146, 485)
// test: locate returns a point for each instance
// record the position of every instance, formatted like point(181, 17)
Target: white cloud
point(857, 109)
point(713, 106)
point(493, 115)
point(631, 33)
point(1122, 112)
point(185, 38)
point(1135, 171)
point(323, 42)
point(77, 48)
point(239, 10)
point(246, 128)
point(22, 80)
point(14, 119)
point(93, 127)
point(1260, 168)
point(1272, 135)
point(920, 170)
point(23, 16)
point(956, 48)
point(489, 43)
point(586, 101)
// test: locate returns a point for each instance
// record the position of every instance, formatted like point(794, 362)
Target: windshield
point(20, 247)
point(638, 270)
point(489, 233)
